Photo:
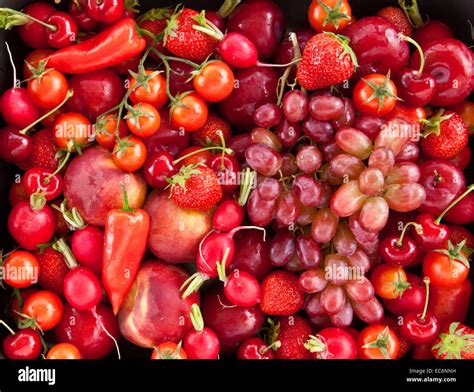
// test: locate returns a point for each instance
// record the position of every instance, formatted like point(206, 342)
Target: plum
point(232, 324)
point(262, 22)
point(84, 330)
point(255, 86)
point(175, 233)
point(153, 311)
point(92, 185)
point(95, 92)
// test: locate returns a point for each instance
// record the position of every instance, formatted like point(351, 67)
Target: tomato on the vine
point(45, 308)
point(129, 154)
point(215, 81)
point(33, 60)
point(105, 130)
point(143, 120)
point(375, 95)
point(389, 281)
point(149, 87)
point(21, 269)
point(168, 350)
point(189, 113)
point(71, 130)
point(378, 342)
point(48, 90)
point(329, 15)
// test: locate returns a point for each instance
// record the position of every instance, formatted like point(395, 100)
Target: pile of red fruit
point(210, 183)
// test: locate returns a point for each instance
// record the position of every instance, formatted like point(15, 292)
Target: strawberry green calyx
point(380, 343)
point(156, 14)
point(344, 42)
point(433, 125)
point(196, 318)
point(455, 253)
point(453, 344)
point(316, 345)
point(172, 24)
point(184, 174)
point(334, 14)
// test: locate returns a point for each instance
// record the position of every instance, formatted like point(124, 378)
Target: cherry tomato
point(378, 342)
point(143, 120)
point(129, 154)
point(105, 129)
point(190, 114)
point(45, 307)
point(21, 269)
point(48, 90)
point(375, 95)
point(151, 89)
point(168, 350)
point(215, 81)
point(107, 11)
point(71, 130)
point(63, 351)
point(445, 268)
point(33, 59)
point(389, 281)
point(329, 15)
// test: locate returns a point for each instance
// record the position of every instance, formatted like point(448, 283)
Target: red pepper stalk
point(126, 232)
point(112, 46)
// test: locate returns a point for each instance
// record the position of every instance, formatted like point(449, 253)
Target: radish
point(202, 343)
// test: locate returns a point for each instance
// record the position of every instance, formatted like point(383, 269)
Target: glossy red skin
point(229, 214)
point(257, 87)
point(242, 289)
point(17, 194)
point(95, 92)
point(414, 89)
point(448, 61)
point(339, 344)
point(370, 125)
point(82, 288)
point(410, 153)
point(167, 138)
point(238, 51)
point(404, 255)
point(66, 30)
point(442, 181)
point(179, 75)
point(412, 300)
point(251, 253)
point(32, 33)
point(261, 21)
point(87, 245)
point(231, 324)
point(434, 235)
point(417, 330)
point(31, 227)
point(218, 21)
point(285, 52)
point(82, 328)
point(254, 348)
point(201, 345)
point(107, 11)
point(15, 147)
point(377, 46)
point(18, 109)
point(77, 9)
point(25, 344)
point(463, 212)
point(433, 29)
point(157, 168)
point(227, 175)
point(450, 305)
point(463, 159)
point(34, 180)
point(422, 351)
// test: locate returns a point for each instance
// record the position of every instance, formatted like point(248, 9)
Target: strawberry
point(44, 151)
point(195, 187)
point(327, 60)
point(397, 17)
point(456, 342)
point(53, 270)
point(405, 345)
point(280, 294)
point(292, 333)
point(209, 133)
point(445, 135)
point(183, 40)
point(155, 21)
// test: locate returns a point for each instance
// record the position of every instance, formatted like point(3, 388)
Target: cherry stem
point(62, 247)
point(60, 167)
point(418, 228)
point(227, 8)
point(69, 94)
point(13, 12)
point(225, 150)
point(235, 230)
point(7, 327)
point(426, 281)
point(468, 190)
point(418, 48)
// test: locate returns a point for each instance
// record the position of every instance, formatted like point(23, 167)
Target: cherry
point(82, 288)
point(255, 348)
point(401, 251)
point(227, 168)
point(15, 147)
point(23, 344)
point(78, 10)
point(412, 300)
point(420, 328)
point(42, 180)
point(431, 30)
point(229, 214)
point(107, 11)
point(158, 167)
point(64, 30)
point(202, 343)
point(32, 33)
point(216, 19)
point(242, 289)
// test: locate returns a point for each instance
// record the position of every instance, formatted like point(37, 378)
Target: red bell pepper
point(112, 46)
point(126, 232)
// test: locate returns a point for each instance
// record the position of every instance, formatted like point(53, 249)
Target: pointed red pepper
point(126, 232)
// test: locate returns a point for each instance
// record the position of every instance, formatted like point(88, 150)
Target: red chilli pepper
point(112, 46)
point(126, 232)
